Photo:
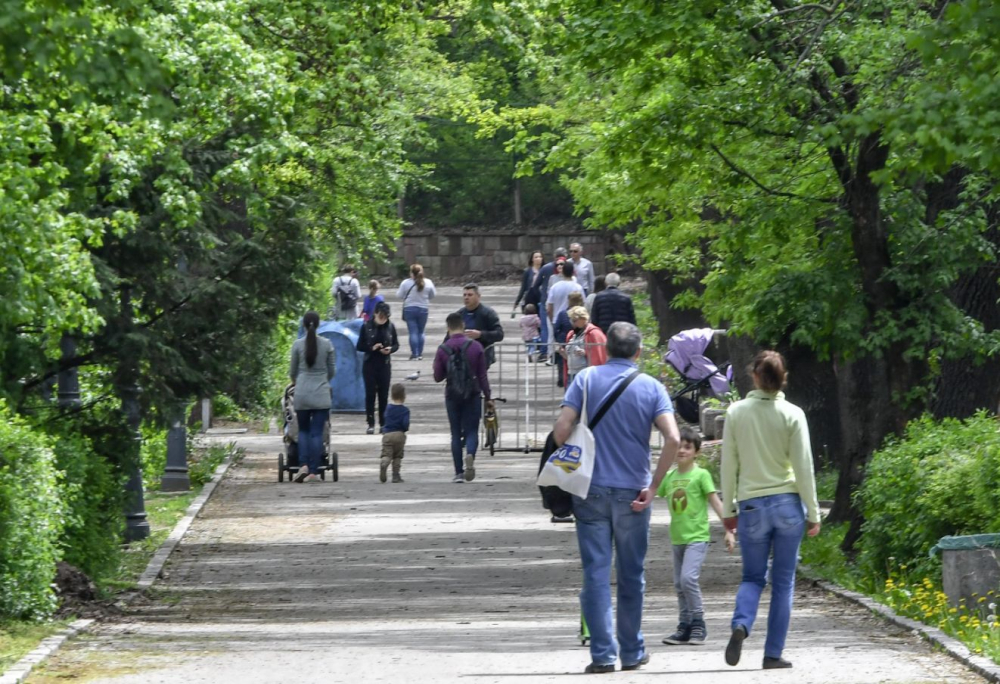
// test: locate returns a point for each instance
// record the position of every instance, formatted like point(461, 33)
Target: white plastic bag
point(571, 466)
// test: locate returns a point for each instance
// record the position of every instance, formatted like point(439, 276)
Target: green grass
point(17, 639)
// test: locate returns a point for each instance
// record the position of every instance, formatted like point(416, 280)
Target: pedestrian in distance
point(481, 322)
point(530, 291)
point(769, 496)
point(377, 340)
point(371, 300)
point(561, 328)
point(346, 293)
point(689, 492)
point(531, 330)
point(612, 305)
point(416, 292)
point(544, 276)
point(613, 521)
point(583, 268)
point(598, 287)
point(559, 291)
point(461, 362)
point(586, 344)
point(312, 366)
point(397, 423)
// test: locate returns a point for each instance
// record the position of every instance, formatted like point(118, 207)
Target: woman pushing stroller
point(313, 364)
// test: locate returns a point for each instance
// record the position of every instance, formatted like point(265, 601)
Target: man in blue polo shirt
point(616, 511)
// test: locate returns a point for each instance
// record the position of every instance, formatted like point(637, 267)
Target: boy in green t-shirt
point(690, 489)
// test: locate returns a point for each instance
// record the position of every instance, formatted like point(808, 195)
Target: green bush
point(31, 520)
point(93, 498)
point(940, 478)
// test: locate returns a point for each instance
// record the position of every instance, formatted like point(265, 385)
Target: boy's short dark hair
point(398, 392)
point(691, 436)
point(530, 309)
point(454, 321)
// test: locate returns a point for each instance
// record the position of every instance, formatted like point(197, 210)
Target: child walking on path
point(531, 329)
point(397, 422)
point(689, 490)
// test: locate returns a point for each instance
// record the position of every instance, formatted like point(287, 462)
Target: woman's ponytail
point(769, 369)
point(310, 322)
point(417, 272)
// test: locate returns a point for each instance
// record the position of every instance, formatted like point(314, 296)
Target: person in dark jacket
point(531, 282)
point(481, 322)
point(543, 291)
point(464, 403)
point(378, 341)
point(612, 305)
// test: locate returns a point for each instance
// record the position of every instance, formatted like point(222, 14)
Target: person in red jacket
point(585, 344)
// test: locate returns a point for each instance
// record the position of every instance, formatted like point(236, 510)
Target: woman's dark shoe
point(735, 647)
point(370, 431)
point(775, 663)
point(596, 668)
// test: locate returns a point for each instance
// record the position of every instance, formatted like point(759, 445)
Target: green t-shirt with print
point(687, 493)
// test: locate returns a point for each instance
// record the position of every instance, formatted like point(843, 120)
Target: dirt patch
point(78, 595)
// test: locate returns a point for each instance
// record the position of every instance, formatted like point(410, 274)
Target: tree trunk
point(662, 291)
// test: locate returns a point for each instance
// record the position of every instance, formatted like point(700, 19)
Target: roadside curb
point(20, 670)
point(956, 649)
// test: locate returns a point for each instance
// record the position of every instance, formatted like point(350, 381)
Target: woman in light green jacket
point(312, 367)
point(767, 470)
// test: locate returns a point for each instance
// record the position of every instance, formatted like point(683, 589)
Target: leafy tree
point(779, 151)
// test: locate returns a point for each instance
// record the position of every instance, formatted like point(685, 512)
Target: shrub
point(31, 518)
point(940, 478)
point(93, 498)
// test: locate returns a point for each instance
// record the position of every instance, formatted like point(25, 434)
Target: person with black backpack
point(462, 363)
point(346, 293)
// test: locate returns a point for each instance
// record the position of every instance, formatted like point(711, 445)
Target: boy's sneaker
point(681, 636)
point(396, 479)
point(470, 469)
point(698, 633)
point(382, 468)
point(458, 479)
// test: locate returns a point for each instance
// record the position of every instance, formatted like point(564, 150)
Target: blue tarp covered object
point(348, 385)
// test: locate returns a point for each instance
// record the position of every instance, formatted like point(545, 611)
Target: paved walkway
point(430, 581)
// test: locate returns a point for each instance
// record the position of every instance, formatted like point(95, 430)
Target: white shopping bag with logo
point(571, 466)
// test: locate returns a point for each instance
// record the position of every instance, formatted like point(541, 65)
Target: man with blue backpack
point(462, 363)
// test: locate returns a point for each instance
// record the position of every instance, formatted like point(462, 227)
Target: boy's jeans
point(605, 519)
point(688, 559)
point(769, 523)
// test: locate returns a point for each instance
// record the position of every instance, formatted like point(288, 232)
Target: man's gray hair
point(624, 340)
point(560, 252)
point(612, 280)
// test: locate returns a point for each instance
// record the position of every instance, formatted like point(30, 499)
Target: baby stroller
point(288, 461)
point(699, 374)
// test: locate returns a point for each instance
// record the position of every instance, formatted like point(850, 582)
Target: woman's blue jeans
point(415, 318)
point(769, 524)
point(605, 522)
point(311, 424)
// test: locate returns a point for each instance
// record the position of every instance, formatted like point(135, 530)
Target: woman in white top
point(416, 292)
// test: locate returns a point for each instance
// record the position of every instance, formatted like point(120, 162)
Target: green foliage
point(31, 520)
point(941, 478)
point(205, 461)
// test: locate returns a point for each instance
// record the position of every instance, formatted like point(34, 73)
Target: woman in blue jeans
point(312, 366)
point(767, 471)
point(417, 291)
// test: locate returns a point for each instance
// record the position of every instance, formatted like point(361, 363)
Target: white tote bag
point(571, 466)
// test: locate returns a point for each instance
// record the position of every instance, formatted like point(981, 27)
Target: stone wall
point(451, 253)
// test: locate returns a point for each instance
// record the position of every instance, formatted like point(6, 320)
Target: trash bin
point(348, 386)
point(970, 567)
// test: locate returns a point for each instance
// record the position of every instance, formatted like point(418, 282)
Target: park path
point(430, 581)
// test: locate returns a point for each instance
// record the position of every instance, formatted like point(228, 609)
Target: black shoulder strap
point(408, 293)
point(613, 398)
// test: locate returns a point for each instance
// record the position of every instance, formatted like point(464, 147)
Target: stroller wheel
point(281, 467)
point(335, 466)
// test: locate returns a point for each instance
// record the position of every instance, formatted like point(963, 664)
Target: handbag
point(571, 466)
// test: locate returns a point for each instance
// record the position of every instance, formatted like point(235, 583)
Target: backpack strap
point(613, 398)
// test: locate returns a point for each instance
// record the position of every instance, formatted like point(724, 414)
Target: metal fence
point(528, 396)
